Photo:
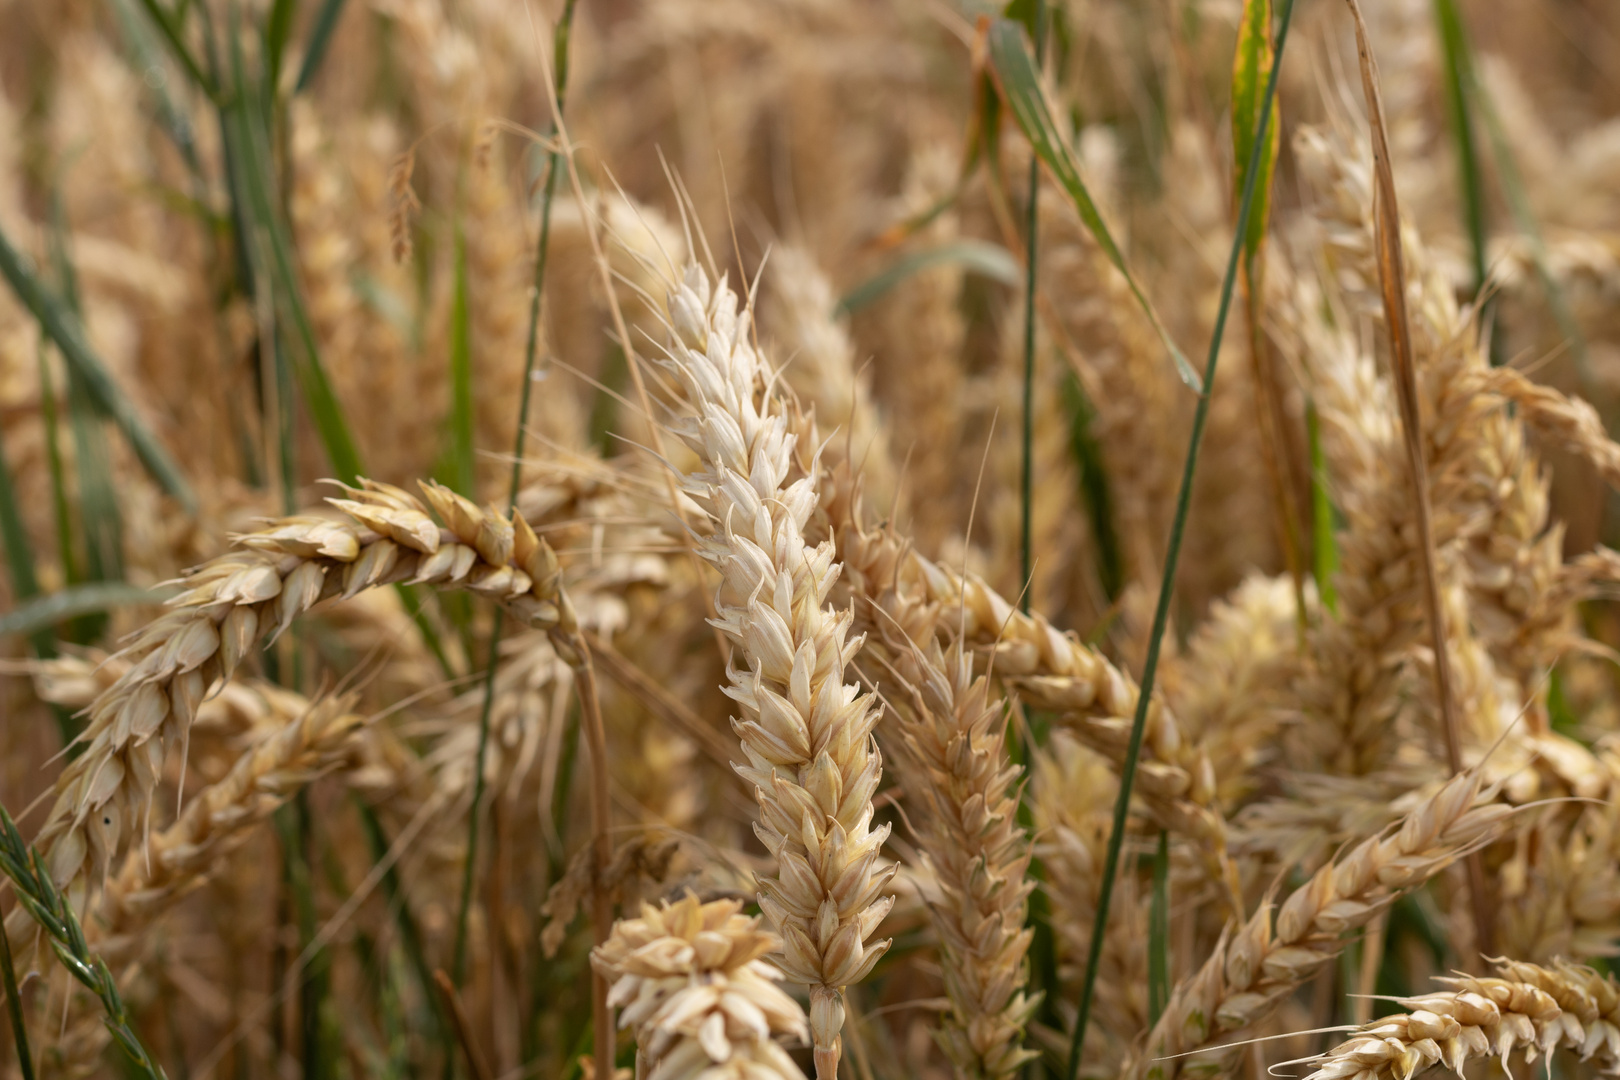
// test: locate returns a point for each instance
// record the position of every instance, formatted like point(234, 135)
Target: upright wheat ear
point(807, 735)
point(691, 983)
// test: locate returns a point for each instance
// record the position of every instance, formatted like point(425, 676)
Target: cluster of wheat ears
point(757, 539)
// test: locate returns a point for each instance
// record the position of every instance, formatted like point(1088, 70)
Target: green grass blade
point(1087, 454)
point(19, 549)
point(1159, 932)
point(974, 256)
point(53, 461)
point(463, 475)
point(1459, 113)
point(1524, 217)
point(19, 1030)
point(277, 29)
point(1324, 538)
point(38, 613)
point(1020, 86)
point(1161, 614)
point(1252, 64)
point(100, 519)
point(320, 38)
point(269, 232)
point(142, 56)
point(560, 53)
point(172, 32)
point(64, 328)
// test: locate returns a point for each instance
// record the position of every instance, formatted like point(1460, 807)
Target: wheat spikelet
point(703, 1004)
point(276, 575)
point(1048, 669)
point(806, 734)
point(1528, 1008)
point(1255, 967)
point(962, 787)
point(317, 738)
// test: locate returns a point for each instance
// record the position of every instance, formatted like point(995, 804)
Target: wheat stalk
point(387, 536)
point(805, 732)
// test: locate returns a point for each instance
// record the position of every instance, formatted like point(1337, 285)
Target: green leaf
point(63, 327)
point(172, 35)
point(1324, 540)
point(1172, 557)
point(40, 613)
point(277, 28)
point(974, 256)
point(269, 233)
point(1459, 112)
point(19, 1030)
point(1087, 453)
point(1020, 85)
point(1250, 66)
point(320, 38)
point(1159, 932)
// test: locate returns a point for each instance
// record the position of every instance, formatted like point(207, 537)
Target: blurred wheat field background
point(766, 539)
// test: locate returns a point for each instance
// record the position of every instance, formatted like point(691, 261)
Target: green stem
point(19, 1030)
point(1178, 527)
point(560, 53)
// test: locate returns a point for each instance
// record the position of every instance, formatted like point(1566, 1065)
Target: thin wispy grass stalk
point(560, 57)
point(1161, 614)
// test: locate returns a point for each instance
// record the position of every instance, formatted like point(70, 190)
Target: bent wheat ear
point(1253, 969)
point(1529, 1008)
point(806, 734)
point(385, 536)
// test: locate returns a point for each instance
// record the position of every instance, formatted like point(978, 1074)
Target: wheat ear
point(1049, 670)
point(387, 536)
point(1529, 1008)
point(1568, 421)
point(958, 775)
point(1252, 970)
point(807, 735)
point(704, 1005)
point(218, 820)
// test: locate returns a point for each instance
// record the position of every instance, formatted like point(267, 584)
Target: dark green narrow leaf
point(320, 37)
point(173, 35)
point(974, 256)
point(53, 461)
point(1094, 487)
point(269, 233)
point(1020, 86)
point(19, 1030)
point(19, 551)
point(1161, 613)
point(1159, 932)
point(1459, 112)
point(100, 519)
point(463, 475)
point(277, 28)
point(1324, 540)
point(64, 328)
